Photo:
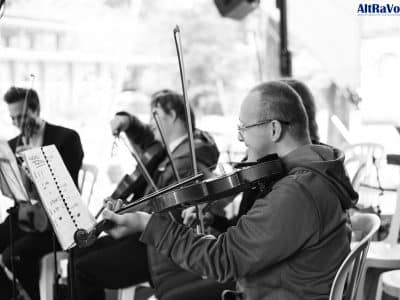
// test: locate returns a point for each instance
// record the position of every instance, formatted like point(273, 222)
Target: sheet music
point(11, 183)
point(59, 195)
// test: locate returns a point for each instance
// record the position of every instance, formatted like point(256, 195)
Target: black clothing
point(29, 248)
point(67, 142)
point(110, 264)
point(117, 264)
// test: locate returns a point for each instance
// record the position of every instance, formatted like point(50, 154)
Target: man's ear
point(276, 131)
point(172, 114)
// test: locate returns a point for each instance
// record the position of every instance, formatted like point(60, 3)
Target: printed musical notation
point(11, 182)
point(58, 193)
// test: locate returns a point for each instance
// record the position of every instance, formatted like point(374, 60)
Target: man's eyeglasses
point(242, 127)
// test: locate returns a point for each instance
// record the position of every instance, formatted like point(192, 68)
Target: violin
point(206, 191)
point(27, 125)
point(136, 182)
point(227, 185)
point(31, 217)
point(151, 158)
point(84, 239)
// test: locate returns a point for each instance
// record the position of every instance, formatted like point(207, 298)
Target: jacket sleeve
point(275, 227)
point(138, 132)
point(71, 152)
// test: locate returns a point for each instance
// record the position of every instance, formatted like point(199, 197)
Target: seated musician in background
point(121, 263)
point(308, 101)
point(292, 240)
point(30, 247)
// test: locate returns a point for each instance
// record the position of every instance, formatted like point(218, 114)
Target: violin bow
point(142, 167)
point(134, 152)
point(84, 238)
point(132, 149)
point(189, 125)
point(24, 112)
point(258, 57)
point(156, 117)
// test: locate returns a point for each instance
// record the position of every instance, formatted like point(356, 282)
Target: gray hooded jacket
point(291, 242)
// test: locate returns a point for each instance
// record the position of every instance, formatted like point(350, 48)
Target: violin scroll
point(84, 238)
point(206, 191)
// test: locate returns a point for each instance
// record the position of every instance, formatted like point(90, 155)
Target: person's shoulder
point(61, 130)
point(13, 140)
point(295, 182)
point(13, 143)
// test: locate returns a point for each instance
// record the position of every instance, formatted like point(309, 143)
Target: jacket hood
point(328, 162)
point(206, 149)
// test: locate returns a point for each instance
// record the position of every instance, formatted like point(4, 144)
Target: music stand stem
point(71, 275)
point(56, 277)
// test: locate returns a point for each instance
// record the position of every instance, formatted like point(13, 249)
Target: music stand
point(10, 189)
point(7, 191)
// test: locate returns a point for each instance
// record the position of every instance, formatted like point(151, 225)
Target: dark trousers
point(29, 248)
point(110, 264)
point(186, 285)
point(115, 264)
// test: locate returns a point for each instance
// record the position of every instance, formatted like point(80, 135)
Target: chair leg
point(127, 293)
point(379, 289)
point(361, 285)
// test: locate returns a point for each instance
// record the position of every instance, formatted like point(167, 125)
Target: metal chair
point(348, 276)
point(128, 293)
point(389, 282)
point(384, 254)
point(360, 158)
point(86, 181)
point(46, 278)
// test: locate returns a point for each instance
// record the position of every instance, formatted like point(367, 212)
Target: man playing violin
point(293, 238)
point(30, 247)
point(116, 264)
point(215, 216)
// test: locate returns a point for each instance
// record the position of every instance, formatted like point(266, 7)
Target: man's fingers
point(118, 124)
point(118, 204)
point(188, 215)
point(109, 205)
point(106, 201)
point(189, 218)
point(115, 126)
point(113, 217)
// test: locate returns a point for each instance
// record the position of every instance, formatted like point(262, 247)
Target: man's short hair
point(169, 100)
point(278, 101)
point(309, 104)
point(16, 94)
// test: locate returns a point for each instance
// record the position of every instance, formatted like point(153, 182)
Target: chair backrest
point(363, 151)
point(394, 228)
point(347, 278)
point(359, 160)
point(85, 170)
